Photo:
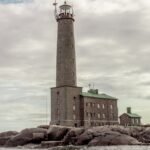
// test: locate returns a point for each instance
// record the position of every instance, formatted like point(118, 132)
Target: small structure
point(130, 119)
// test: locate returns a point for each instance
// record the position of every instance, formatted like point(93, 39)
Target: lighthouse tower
point(65, 99)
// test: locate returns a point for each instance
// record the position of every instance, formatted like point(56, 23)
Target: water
point(94, 148)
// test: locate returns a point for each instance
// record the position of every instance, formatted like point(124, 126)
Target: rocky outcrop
point(57, 133)
point(5, 136)
point(73, 135)
point(33, 135)
point(113, 138)
point(60, 136)
point(144, 136)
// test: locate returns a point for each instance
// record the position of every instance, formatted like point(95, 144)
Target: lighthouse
point(69, 105)
point(65, 97)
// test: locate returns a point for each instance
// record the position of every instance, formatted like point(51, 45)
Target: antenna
point(93, 85)
point(55, 11)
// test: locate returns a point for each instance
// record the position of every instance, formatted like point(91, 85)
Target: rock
point(136, 132)
point(113, 138)
point(27, 136)
point(8, 133)
point(73, 135)
point(47, 144)
point(5, 136)
point(43, 126)
point(120, 129)
point(85, 138)
point(57, 133)
point(90, 133)
point(145, 136)
point(3, 140)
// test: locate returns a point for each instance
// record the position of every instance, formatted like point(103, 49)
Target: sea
point(90, 148)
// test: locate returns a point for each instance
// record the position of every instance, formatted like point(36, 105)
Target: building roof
point(133, 115)
point(100, 96)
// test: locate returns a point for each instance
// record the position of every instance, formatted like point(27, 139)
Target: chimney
point(129, 110)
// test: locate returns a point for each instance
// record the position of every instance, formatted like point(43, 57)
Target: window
point(132, 120)
point(104, 116)
point(74, 117)
point(137, 121)
point(74, 107)
point(99, 116)
point(91, 114)
point(93, 104)
point(103, 106)
point(111, 107)
point(98, 105)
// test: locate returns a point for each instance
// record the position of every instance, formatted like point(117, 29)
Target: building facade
point(69, 105)
point(130, 119)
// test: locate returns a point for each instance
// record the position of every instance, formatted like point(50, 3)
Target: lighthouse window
point(74, 116)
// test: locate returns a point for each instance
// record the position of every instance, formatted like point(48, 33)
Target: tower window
point(74, 107)
point(57, 92)
point(74, 117)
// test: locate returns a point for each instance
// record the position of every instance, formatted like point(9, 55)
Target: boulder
point(57, 133)
point(33, 135)
point(43, 126)
point(113, 138)
point(136, 132)
point(8, 133)
point(120, 129)
point(90, 133)
point(145, 136)
point(5, 136)
point(72, 136)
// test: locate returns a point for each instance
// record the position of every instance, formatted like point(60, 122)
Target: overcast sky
point(112, 46)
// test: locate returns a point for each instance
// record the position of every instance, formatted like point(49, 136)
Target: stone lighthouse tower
point(65, 99)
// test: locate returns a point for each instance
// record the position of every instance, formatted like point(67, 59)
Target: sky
point(112, 50)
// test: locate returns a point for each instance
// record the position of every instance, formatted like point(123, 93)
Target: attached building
point(130, 119)
point(98, 109)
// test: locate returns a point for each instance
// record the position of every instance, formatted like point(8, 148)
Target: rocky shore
point(45, 136)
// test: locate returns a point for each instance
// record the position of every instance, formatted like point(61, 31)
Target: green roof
point(133, 115)
point(100, 96)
